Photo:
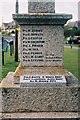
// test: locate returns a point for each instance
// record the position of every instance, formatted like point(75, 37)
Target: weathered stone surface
point(41, 116)
point(42, 19)
point(42, 45)
point(40, 6)
point(39, 99)
point(8, 82)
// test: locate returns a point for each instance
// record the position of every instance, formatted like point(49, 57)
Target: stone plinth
point(39, 99)
point(38, 102)
point(45, 99)
point(40, 6)
point(41, 44)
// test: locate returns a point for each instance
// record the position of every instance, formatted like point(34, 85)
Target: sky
point(7, 8)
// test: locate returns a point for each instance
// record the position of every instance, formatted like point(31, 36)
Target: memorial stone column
point(41, 45)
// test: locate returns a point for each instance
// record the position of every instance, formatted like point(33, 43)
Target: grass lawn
point(70, 62)
point(74, 45)
point(9, 64)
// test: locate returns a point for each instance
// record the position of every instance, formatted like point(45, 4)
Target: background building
point(9, 27)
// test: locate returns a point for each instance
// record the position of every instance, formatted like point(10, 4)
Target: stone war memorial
point(41, 87)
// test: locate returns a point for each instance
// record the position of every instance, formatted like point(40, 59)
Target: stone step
point(41, 119)
point(41, 116)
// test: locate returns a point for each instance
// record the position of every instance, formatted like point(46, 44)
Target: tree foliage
point(71, 31)
point(0, 29)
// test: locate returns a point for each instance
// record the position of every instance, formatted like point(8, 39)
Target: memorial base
point(16, 99)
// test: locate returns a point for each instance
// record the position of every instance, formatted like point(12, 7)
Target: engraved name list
point(32, 45)
point(34, 48)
